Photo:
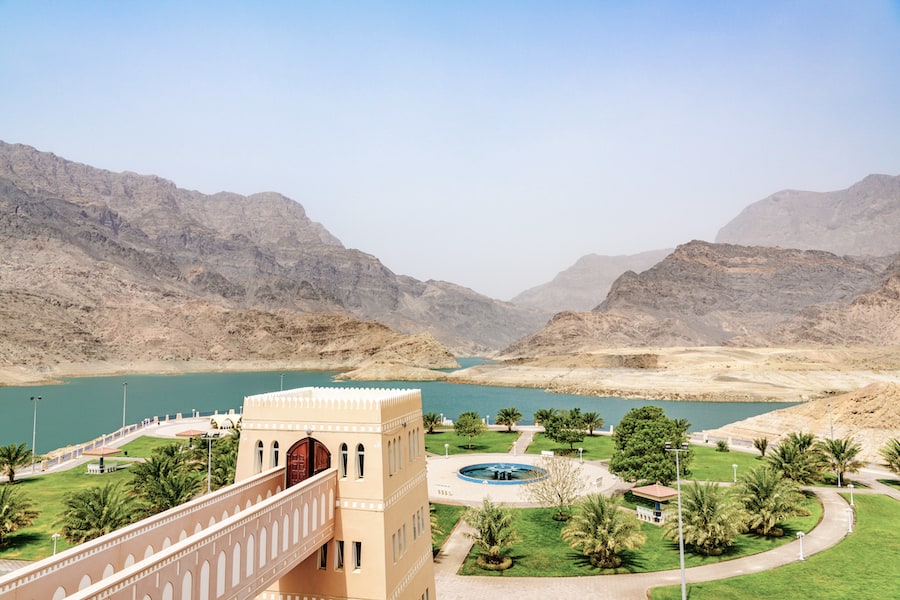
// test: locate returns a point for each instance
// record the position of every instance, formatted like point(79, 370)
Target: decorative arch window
point(275, 448)
point(345, 457)
point(390, 453)
point(258, 463)
point(360, 461)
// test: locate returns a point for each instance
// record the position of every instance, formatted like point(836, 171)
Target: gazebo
point(101, 451)
point(658, 493)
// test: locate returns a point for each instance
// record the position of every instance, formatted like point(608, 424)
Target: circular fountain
point(501, 473)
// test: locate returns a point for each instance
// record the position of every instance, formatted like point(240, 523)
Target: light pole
point(54, 537)
point(581, 455)
point(678, 451)
point(282, 382)
point(800, 535)
point(34, 431)
point(208, 463)
point(446, 450)
point(734, 470)
point(849, 520)
point(850, 487)
point(487, 420)
point(124, 402)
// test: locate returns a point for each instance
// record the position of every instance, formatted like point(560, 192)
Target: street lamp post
point(54, 537)
point(800, 535)
point(446, 450)
point(850, 487)
point(734, 470)
point(34, 431)
point(487, 420)
point(678, 451)
point(581, 455)
point(849, 520)
point(282, 382)
point(124, 402)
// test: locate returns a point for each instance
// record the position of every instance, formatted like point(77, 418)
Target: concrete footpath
point(450, 586)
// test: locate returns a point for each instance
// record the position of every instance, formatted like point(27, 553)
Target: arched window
point(236, 565)
point(187, 586)
point(345, 456)
point(361, 461)
point(220, 575)
point(390, 453)
point(259, 457)
point(275, 454)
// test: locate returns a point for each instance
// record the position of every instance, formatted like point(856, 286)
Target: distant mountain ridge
point(863, 219)
point(712, 294)
point(87, 239)
point(585, 284)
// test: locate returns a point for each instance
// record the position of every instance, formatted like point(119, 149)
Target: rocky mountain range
point(98, 265)
point(707, 294)
point(585, 284)
point(863, 219)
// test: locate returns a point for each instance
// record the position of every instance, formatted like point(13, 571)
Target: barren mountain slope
point(257, 252)
point(585, 284)
point(871, 416)
point(863, 219)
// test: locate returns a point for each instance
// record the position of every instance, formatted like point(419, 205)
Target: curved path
point(450, 586)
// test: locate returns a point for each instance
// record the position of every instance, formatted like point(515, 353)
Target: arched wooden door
point(306, 458)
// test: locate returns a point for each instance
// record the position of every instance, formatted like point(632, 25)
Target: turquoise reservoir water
point(84, 408)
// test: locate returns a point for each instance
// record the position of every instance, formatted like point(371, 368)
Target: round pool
point(501, 473)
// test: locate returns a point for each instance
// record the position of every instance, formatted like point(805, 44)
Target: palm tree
point(891, 454)
point(494, 531)
point(768, 498)
point(592, 421)
point(840, 454)
point(96, 511)
point(710, 516)
point(797, 460)
point(13, 456)
point(509, 417)
point(542, 415)
point(430, 421)
point(761, 444)
point(803, 441)
point(601, 531)
point(15, 511)
point(164, 481)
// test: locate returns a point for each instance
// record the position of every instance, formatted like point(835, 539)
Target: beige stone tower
point(381, 548)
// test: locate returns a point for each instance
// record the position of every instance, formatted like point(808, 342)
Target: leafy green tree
point(640, 452)
point(224, 459)
point(761, 444)
point(509, 417)
point(15, 511)
point(96, 511)
point(13, 456)
point(470, 425)
point(891, 454)
point(430, 421)
point(601, 531)
point(561, 487)
point(592, 421)
point(768, 498)
point(797, 459)
point(711, 518)
point(494, 530)
point(565, 427)
point(841, 456)
point(542, 415)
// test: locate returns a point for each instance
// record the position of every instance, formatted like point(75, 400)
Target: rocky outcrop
point(864, 219)
point(711, 294)
point(84, 236)
point(585, 284)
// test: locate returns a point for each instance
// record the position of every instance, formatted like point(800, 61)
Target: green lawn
point(47, 491)
point(447, 517)
point(542, 553)
point(710, 465)
point(491, 441)
point(596, 447)
point(858, 567)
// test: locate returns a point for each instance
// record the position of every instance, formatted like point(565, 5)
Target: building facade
point(381, 548)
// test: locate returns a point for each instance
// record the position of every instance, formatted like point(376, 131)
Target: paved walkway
point(450, 586)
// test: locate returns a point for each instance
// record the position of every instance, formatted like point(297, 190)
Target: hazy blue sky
point(490, 144)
